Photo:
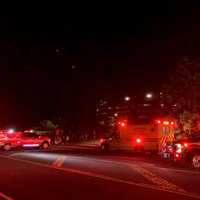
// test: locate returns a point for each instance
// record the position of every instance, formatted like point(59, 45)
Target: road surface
point(75, 172)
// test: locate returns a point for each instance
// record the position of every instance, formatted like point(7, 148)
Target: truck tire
point(196, 161)
point(7, 147)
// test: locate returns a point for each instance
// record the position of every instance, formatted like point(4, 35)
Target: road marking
point(5, 196)
point(151, 165)
point(104, 177)
point(162, 183)
point(59, 161)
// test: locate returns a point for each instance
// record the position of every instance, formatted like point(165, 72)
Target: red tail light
point(138, 140)
point(158, 121)
point(172, 123)
point(123, 123)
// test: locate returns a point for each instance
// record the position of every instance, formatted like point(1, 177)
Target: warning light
point(158, 121)
point(172, 123)
point(185, 145)
point(138, 140)
point(166, 122)
point(123, 124)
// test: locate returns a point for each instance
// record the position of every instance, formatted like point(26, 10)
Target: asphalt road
point(75, 172)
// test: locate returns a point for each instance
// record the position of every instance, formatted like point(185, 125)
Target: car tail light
point(158, 121)
point(138, 140)
point(123, 124)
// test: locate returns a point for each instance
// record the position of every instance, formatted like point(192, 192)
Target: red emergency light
point(172, 123)
point(122, 124)
point(138, 140)
point(166, 123)
point(185, 145)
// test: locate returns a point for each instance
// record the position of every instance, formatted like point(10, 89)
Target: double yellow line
point(160, 182)
point(151, 177)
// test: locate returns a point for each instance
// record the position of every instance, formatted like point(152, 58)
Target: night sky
point(59, 63)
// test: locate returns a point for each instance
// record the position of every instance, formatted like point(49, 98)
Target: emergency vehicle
point(10, 139)
point(186, 150)
point(141, 137)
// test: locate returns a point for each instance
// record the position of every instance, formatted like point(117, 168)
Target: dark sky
point(123, 50)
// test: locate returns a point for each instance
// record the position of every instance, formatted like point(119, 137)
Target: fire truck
point(140, 137)
point(10, 139)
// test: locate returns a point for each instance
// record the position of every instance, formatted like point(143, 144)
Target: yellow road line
point(162, 183)
point(104, 177)
point(5, 196)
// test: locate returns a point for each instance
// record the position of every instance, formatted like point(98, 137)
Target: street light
point(127, 98)
point(149, 95)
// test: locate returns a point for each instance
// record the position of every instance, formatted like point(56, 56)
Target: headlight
point(178, 148)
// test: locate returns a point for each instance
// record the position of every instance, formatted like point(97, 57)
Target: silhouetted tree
point(183, 92)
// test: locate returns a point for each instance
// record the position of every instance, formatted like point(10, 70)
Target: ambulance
point(140, 137)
